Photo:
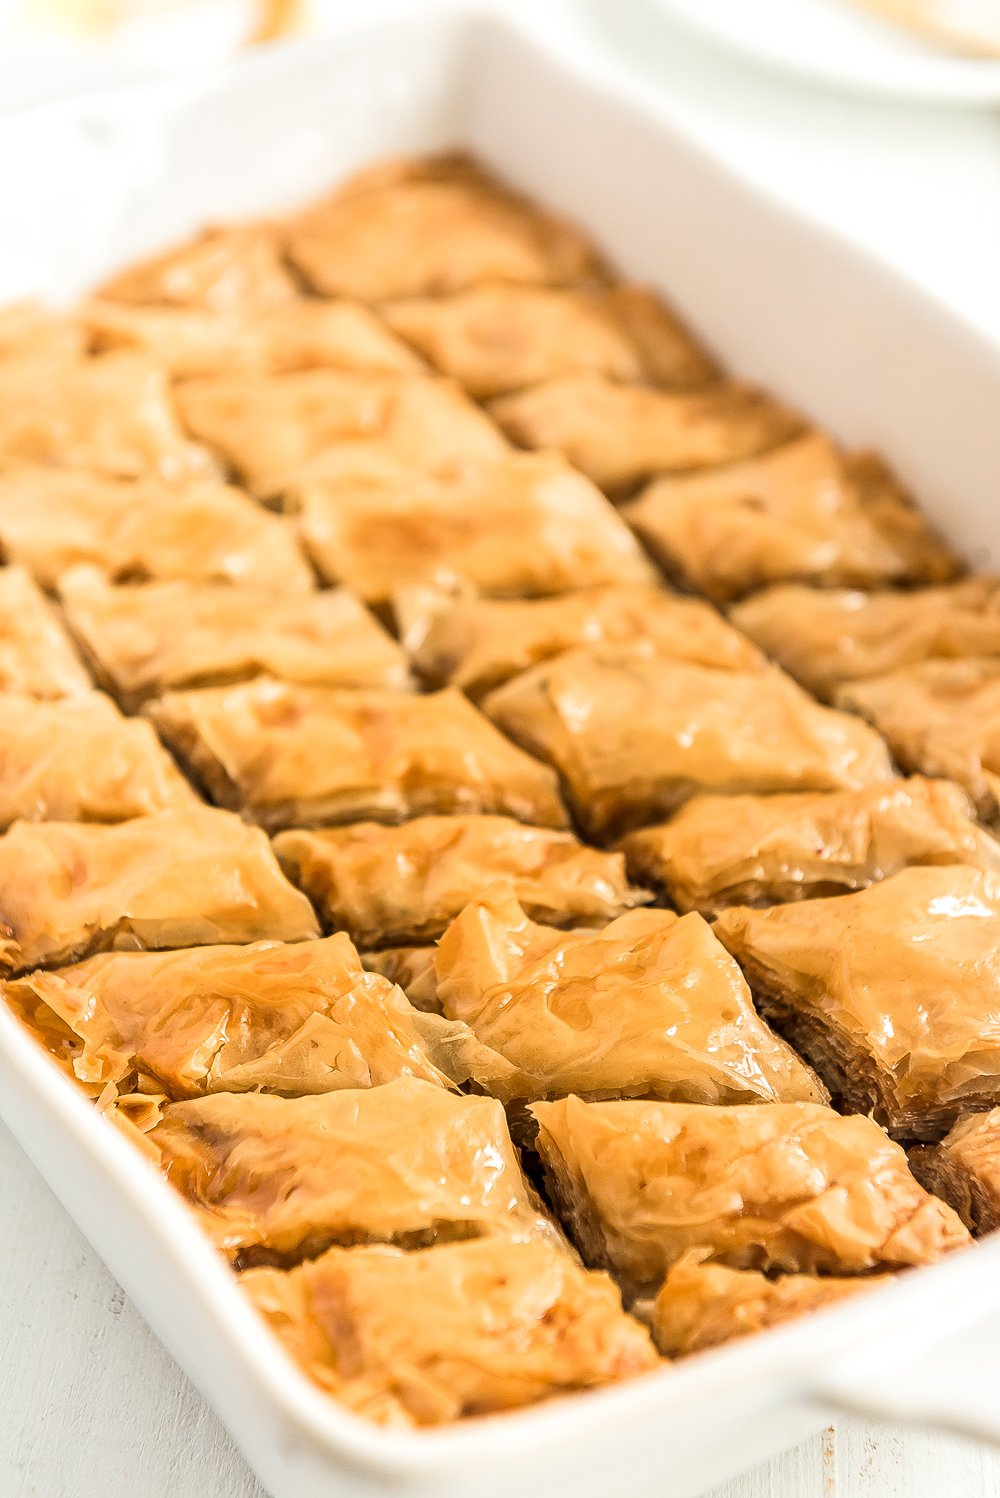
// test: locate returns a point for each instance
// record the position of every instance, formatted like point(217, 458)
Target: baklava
point(235, 268)
point(964, 1169)
point(36, 655)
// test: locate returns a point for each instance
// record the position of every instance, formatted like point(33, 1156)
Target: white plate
point(834, 42)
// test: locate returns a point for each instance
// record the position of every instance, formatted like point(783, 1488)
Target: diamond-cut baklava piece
point(802, 511)
point(29, 330)
point(496, 338)
point(410, 1162)
point(463, 1329)
point(702, 1305)
point(764, 850)
point(291, 756)
point(964, 1169)
point(634, 733)
point(269, 427)
point(892, 993)
point(941, 718)
point(36, 656)
point(174, 879)
point(412, 968)
point(52, 520)
point(294, 1019)
point(392, 885)
point(479, 643)
point(77, 759)
point(114, 415)
point(651, 1005)
point(793, 1187)
point(621, 434)
point(826, 638)
point(235, 268)
point(145, 639)
point(420, 228)
point(519, 524)
point(302, 334)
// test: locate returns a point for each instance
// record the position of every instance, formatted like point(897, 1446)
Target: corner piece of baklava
point(964, 1169)
point(891, 993)
point(36, 655)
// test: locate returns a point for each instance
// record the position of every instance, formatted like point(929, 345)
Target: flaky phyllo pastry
point(479, 643)
point(292, 1019)
point(273, 1179)
point(460, 1329)
point(134, 530)
point(763, 850)
point(77, 759)
point(964, 1169)
point(651, 1005)
point(36, 656)
point(801, 511)
point(893, 993)
point(513, 525)
point(146, 639)
point(235, 269)
point(633, 733)
point(792, 1187)
point(288, 755)
point(412, 969)
point(174, 879)
point(397, 885)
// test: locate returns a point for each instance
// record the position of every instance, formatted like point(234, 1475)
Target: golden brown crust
point(232, 268)
point(36, 655)
point(964, 1169)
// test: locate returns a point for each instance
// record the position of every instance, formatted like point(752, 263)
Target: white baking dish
point(87, 185)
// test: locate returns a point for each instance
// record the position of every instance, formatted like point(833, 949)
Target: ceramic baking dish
point(87, 185)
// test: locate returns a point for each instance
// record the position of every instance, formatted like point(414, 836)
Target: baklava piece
point(77, 759)
point(892, 993)
point(479, 643)
point(303, 334)
point(36, 656)
point(273, 1179)
point(790, 1187)
point(292, 1019)
point(114, 415)
point(150, 638)
point(940, 718)
point(964, 1169)
point(828, 638)
point(765, 850)
point(403, 885)
point(803, 511)
point(634, 734)
point(290, 756)
point(649, 1006)
point(236, 268)
point(496, 338)
point(703, 1305)
point(519, 524)
point(412, 969)
point(459, 1330)
point(270, 428)
point(175, 879)
point(621, 434)
point(52, 520)
point(427, 227)
point(29, 330)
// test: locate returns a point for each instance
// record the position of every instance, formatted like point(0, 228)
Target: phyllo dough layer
point(176, 879)
point(621, 434)
point(792, 1187)
point(146, 639)
point(53, 520)
point(893, 993)
point(234, 268)
point(28, 329)
point(964, 1169)
point(274, 1178)
point(479, 643)
point(651, 1005)
point(412, 968)
point(765, 850)
point(294, 1019)
point(398, 885)
point(507, 525)
point(36, 656)
point(494, 338)
point(290, 756)
point(802, 511)
point(634, 734)
point(443, 1333)
point(77, 759)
